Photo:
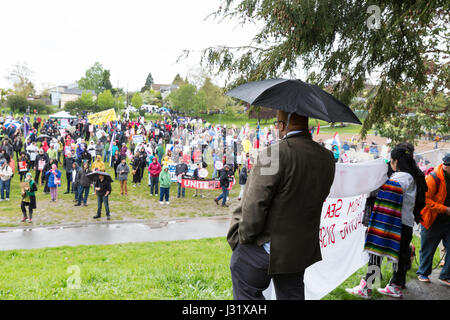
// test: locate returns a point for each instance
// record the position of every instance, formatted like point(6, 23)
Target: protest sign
point(102, 117)
point(203, 173)
point(22, 166)
point(203, 184)
point(64, 123)
point(41, 165)
point(138, 139)
point(172, 168)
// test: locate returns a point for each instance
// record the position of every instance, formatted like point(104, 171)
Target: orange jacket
point(435, 198)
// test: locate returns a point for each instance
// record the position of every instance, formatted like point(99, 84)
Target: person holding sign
point(23, 165)
point(197, 177)
point(54, 181)
point(180, 170)
point(5, 179)
point(28, 197)
point(41, 160)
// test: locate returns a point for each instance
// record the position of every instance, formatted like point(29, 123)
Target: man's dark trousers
point(249, 265)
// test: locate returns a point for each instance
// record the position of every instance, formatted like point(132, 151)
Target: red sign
point(22, 166)
point(203, 184)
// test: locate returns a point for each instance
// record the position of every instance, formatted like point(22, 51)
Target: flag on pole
point(110, 148)
point(318, 127)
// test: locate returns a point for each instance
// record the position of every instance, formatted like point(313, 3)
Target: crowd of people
point(45, 149)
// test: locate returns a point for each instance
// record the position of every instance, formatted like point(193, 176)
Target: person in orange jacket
point(436, 222)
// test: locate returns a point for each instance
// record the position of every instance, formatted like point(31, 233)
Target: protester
point(84, 184)
point(160, 152)
point(41, 160)
point(390, 231)
point(5, 179)
point(164, 181)
point(224, 184)
point(115, 163)
point(18, 145)
point(75, 169)
point(274, 232)
point(154, 170)
point(52, 153)
point(28, 198)
point(123, 151)
point(68, 162)
point(242, 181)
point(23, 165)
point(123, 170)
point(436, 222)
point(336, 153)
point(98, 164)
point(103, 190)
point(198, 192)
point(106, 151)
point(32, 151)
point(142, 156)
point(180, 170)
point(54, 181)
point(135, 164)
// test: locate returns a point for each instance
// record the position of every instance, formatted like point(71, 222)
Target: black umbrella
point(94, 175)
point(295, 96)
point(42, 137)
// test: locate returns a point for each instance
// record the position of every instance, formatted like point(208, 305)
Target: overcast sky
point(60, 39)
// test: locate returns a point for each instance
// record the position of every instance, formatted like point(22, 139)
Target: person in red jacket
point(154, 169)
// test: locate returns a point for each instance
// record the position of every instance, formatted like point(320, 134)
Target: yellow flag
point(102, 117)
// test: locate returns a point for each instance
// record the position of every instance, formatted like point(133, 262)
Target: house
point(165, 89)
point(60, 95)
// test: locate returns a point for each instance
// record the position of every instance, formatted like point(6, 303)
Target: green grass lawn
point(181, 270)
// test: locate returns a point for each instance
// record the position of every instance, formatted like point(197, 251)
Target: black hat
point(446, 159)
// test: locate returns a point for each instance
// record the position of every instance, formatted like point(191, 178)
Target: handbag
point(57, 181)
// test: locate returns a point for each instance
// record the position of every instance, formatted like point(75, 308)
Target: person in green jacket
point(28, 198)
point(164, 182)
point(159, 152)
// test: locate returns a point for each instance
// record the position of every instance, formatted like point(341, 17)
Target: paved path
point(112, 233)
point(416, 290)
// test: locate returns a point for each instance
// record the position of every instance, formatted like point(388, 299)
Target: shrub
point(17, 104)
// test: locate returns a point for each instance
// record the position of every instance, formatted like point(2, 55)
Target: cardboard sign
point(218, 165)
point(203, 173)
point(41, 165)
point(22, 166)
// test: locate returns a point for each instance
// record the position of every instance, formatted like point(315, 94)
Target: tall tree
point(96, 78)
point(404, 44)
point(178, 80)
point(137, 101)
point(21, 75)
point(105, 100)
point(148, 83)
point(214, 95)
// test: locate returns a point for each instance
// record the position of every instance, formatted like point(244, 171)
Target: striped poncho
point(384, 230)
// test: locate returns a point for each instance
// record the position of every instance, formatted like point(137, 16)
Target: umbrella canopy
point(94, 175)
point(62, 115)
point(9, 123)
point(295, 96)
point(42, 137)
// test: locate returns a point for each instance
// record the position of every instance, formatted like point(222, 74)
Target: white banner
point(342, 234)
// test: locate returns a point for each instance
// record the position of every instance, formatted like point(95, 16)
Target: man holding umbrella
point(274, 233)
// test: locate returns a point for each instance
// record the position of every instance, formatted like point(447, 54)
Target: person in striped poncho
point(390, 228)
